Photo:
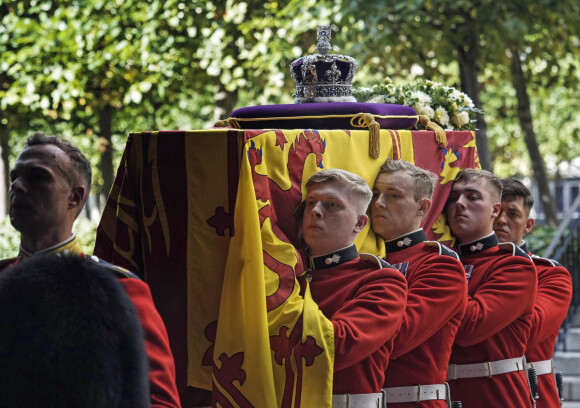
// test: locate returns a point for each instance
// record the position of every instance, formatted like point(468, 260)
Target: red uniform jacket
point(436, 300)
point(550, 309)
point(162, 367)
point(365, 302)
point(497, 322)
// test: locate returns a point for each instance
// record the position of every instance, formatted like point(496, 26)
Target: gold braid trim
point(231, 122)
point(440, 135)
point(368, 120)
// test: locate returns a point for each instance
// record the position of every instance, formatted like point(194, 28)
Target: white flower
point(460, 119)
point(456, 95)
point(467, 101)
point(441, 116)
point(422, 97)
point(377, 99)
point(424, 110)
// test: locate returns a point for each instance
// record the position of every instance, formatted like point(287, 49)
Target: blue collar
point(405, 241)
point(478, 245)
point(333, 258)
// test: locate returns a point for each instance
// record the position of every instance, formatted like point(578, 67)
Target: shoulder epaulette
point(381, 263)
point(118, 270)
point(443, 250)
point(512, 248)
point(545, 261)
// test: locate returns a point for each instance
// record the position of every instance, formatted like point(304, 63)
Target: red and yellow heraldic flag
point(207, 219)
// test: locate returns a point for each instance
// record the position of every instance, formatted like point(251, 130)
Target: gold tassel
point(368, 120)
point(440, 135)
point(221, 123)
point(374, 139)
point(231, 122)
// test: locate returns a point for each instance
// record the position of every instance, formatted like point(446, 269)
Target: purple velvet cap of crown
point(322, 67)
point(335, 115)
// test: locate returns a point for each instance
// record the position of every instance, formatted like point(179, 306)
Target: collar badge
point(406, 242)
point(476, 247)
point(335, 258)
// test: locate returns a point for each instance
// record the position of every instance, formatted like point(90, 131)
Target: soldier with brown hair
point(554, 293)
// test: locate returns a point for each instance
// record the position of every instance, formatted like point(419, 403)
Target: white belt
point(358, 400)
point(416, 393)
point(487, 369)
point(542, 367)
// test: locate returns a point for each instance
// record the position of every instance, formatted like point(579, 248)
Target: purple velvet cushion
point(333, 115)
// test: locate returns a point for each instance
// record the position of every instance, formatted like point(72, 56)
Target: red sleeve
point(435, 294)
point(162, 367)
point(552, 302)
point(370, 319)
point(507, 292)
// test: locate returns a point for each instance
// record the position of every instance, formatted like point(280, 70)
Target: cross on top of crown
point(323, 36)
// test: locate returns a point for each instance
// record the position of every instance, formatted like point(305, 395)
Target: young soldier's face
point(512, 222)
point(331, 219)
point(471, 209)
point(394, 211)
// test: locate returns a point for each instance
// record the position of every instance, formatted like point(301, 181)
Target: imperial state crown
point(323, 77)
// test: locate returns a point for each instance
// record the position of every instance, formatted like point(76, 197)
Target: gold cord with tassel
point(440, 135)
point(231, 122)
point(368, 120)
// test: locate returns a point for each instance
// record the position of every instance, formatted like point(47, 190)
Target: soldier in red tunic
point(437, 288)
point(487, 361)
point(362, 295)
point(554, 289)
point(50, 184)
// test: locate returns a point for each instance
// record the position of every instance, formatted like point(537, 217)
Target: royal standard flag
point(207, 218)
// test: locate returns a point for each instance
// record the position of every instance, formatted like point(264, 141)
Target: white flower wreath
point(448, 107)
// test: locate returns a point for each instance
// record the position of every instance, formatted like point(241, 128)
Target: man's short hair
point(357, 187)
point(70, 337)
point(79, 163)
point(492, 182)
point(425, 181)
point(512, 188)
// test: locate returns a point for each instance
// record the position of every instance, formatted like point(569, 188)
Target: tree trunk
point(4, 170)
point(468, 58)
point(525, 117)
point(106, 164)
point(225, 102)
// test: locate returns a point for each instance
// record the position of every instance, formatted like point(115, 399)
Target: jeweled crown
point(323, 77)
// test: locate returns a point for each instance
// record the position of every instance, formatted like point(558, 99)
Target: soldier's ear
point(529, 225)
point(424, 205)
point(495, 210)
point(77, 197)
point(361, 222)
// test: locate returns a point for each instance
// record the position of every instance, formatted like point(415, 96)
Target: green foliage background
point(173, 64)
point(84, 228)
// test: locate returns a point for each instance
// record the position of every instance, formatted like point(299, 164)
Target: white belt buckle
point(418, 393)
